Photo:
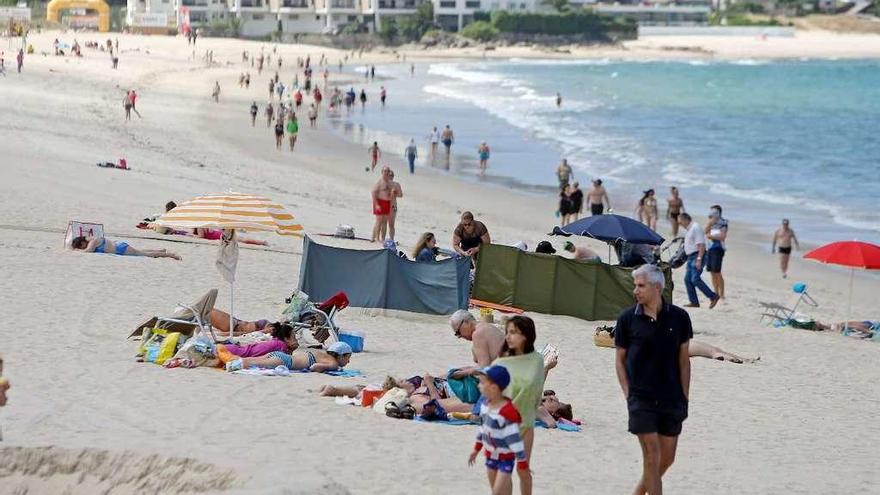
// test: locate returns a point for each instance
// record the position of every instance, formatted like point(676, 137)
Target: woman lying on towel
point(336, 357)
point(283, 341)
point(865, 329)
point(216, 235)
point(220, 322)
point(419, 389)
point(104, 245)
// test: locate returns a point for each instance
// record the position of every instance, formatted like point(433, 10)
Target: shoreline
point(76, 384)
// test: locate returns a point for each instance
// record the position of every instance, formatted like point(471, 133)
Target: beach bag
point(604, 336)
point(395, 395)
point(297, 303)
point(160, 346)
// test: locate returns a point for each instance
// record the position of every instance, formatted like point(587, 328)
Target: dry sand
point(799, 421)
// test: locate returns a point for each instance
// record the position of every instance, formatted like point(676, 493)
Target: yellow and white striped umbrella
point(231, 211)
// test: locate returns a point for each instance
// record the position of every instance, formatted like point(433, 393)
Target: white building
point(260, 18)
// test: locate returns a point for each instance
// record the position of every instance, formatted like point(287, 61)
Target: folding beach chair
point(189, 320)
point(780, 315)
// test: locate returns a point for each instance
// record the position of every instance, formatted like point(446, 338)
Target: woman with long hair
point(426, 248)
point(526, 368)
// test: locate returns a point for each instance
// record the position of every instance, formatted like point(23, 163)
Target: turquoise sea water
point(767, 140)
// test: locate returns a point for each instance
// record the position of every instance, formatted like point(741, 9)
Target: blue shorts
point(120, 248)
point(285, 358)
point(497, 465)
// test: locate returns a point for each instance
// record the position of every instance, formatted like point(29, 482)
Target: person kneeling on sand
point(336, 357)
point(120, 248)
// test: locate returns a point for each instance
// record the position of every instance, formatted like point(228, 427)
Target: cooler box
point(354, 338)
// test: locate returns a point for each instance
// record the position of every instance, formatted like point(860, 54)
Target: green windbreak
point(551, 284)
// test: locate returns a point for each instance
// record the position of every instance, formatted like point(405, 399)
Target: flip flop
point(392, 411)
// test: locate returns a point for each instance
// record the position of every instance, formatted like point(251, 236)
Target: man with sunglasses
point(486, 340)
point(469, 235)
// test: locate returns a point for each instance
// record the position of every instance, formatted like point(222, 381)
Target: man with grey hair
point(653, 368)
point(486, 340)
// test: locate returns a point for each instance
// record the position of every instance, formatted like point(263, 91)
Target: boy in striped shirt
point(498, 431)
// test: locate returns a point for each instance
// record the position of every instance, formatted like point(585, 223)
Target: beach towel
point(465, 389)
point(560, 425)
point(283, 371)
point(526, 383)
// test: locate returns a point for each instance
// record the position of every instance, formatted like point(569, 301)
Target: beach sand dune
point(84, 416)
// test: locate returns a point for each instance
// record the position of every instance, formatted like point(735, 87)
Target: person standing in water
point(564, 174)
point(558, 100)
point(483, 150)
point(447, 138)
point(382, 95)
point(783, 239)
point(434, 138)
point(216, 93)
point(675, 207)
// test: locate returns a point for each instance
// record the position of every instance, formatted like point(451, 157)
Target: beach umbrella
point(230, 212)
point(854, 254)
point(610, 228)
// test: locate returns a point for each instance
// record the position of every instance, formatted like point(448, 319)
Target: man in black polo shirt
point(654, 371)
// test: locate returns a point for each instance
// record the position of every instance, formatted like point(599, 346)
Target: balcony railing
point(342, 4)
point(397, 4)
point(251, 3)
point(194, 3)
point(447, 4)
point(295, 4)
point(472, 4)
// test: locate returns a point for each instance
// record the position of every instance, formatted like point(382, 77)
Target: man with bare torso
point(598, 198)
point(675, 206)
point(783, 238)
point(382, 203)
point(486, 339)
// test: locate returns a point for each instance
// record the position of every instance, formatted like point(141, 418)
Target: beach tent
point(380, 278)
point(589, 290)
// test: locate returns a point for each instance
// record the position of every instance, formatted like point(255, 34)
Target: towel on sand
point(283, 371)
point(561, 425)
point(526, 383)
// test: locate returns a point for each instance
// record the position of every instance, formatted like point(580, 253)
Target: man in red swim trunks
point(382, 203)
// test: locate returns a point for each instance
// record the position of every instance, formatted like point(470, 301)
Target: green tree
point(388, 31)
point(480, 31)
point(559, 5)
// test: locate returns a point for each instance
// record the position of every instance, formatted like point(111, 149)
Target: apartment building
point(262, 17)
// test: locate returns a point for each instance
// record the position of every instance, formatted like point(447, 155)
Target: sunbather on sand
point(220, 322)
point(419, 389)
point(104, 245)
point(702, 349)
point(283, 340)
point(866, 328)
point(336, 357)
point(216, 235)
point(552, 410)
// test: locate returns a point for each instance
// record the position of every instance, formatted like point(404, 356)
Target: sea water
point(767, 140)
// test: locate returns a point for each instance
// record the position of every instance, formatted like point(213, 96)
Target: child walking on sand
point(498, 431)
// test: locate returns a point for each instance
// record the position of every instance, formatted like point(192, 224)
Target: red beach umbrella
point(854, 254)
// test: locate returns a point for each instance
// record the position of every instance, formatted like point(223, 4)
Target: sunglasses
point(458, 330)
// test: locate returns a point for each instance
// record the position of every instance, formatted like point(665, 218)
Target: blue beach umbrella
point(610, 228)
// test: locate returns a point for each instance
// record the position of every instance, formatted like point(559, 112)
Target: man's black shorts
point(714, 257)
point(597, 209)
point(647, 416)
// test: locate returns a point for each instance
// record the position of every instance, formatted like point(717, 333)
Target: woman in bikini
point(647, 209)
point(336, 357)
point(120, 248)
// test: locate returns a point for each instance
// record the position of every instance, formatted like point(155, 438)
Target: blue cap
point(498, 375)
point(339, 348)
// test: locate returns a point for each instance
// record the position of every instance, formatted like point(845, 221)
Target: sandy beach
point(85, 417)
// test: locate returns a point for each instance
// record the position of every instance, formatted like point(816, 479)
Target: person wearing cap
point(581, 252)
point(337, 356)
point(653, 367)
point(598, 198)
point(544, 247)
point(499, 431)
